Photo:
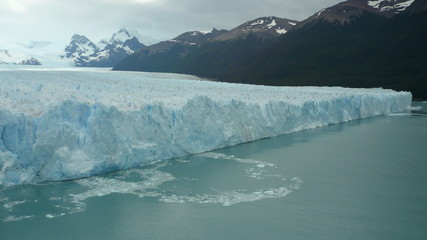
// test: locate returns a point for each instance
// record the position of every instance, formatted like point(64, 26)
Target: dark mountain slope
point(371, 51)
point(207, 54)
point(159, 60)
point(214, 57)
point(163, 56)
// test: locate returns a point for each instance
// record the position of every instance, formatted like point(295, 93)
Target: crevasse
point(68, 124)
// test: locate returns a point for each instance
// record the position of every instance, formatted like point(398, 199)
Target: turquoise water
point(365, 179)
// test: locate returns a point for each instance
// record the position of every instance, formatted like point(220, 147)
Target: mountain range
point(356, 43)
point(374, 48)
point(206, 53)
point(106, 53)
point(8, 57)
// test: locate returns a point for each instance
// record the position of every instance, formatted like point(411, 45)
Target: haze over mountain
point(7, 57)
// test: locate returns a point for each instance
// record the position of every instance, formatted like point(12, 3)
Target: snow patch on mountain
point(258, 22)
point(390, 5)
point(196, 37)
point(281, 31)
point(347, 11)
point(272, 24)
point(264, 27)
point(320, 12)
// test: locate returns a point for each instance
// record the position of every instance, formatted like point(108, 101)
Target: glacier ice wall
point(58, 125)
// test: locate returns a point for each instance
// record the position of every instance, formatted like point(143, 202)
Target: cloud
point(53, 19)
point(16, 6)
point(144, 1)
point(21, 6)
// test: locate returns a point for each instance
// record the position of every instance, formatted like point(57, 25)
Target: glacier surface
point(66, 124)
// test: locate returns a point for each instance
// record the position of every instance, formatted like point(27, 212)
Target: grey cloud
point(159, 18)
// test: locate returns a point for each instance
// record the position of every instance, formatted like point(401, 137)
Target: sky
point(58, 20)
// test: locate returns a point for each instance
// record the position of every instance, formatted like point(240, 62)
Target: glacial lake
point(365, 179)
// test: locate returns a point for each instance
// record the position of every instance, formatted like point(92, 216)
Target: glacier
point(66, 123)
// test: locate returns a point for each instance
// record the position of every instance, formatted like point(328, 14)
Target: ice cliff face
point(57, 125)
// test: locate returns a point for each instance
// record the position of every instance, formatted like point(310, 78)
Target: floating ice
point(144, 182)
point(229, 198)
point(58, 125)
point(419, 108)
point(16, 219)
point(258, 163)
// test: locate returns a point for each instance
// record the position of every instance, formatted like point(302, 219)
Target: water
point(360, 180)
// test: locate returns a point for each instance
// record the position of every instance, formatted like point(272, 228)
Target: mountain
point(356, 43)
point(197, 37)
point(418, 6)
point(163, 56)
point(85, 53)
point(371, 49)
point(264, 27)
point(204, 53)
point(345, 12)
point(390, 6)
point(6, 57)
point(80, 50)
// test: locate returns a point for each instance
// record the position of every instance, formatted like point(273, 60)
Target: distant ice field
point(131, 91)
point(72, 123)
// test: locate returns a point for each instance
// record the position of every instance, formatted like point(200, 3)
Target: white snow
point(128, 50)
point(375, 4)
point(398, 7)
point(65, 124)
point(102, 44)
point(127, 33)
point(292, 23)
point(205, 32)
point(104, 54)
point(320, 12)
point(272, 24)
point(86, 50)
point(259, 22)
point(281, 31)
point(11, 57)
point(122, 35)
point(46, 52)
point(402, 6)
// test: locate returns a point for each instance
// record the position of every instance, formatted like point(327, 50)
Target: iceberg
point(66, 124)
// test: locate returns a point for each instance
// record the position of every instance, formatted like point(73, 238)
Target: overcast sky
point(57, 20)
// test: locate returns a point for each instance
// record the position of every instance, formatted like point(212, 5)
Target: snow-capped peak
point(275, 25)
point(105, 53)
point(345, 12)
point(124, 34)
point(390, 5)
point(78, 37)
